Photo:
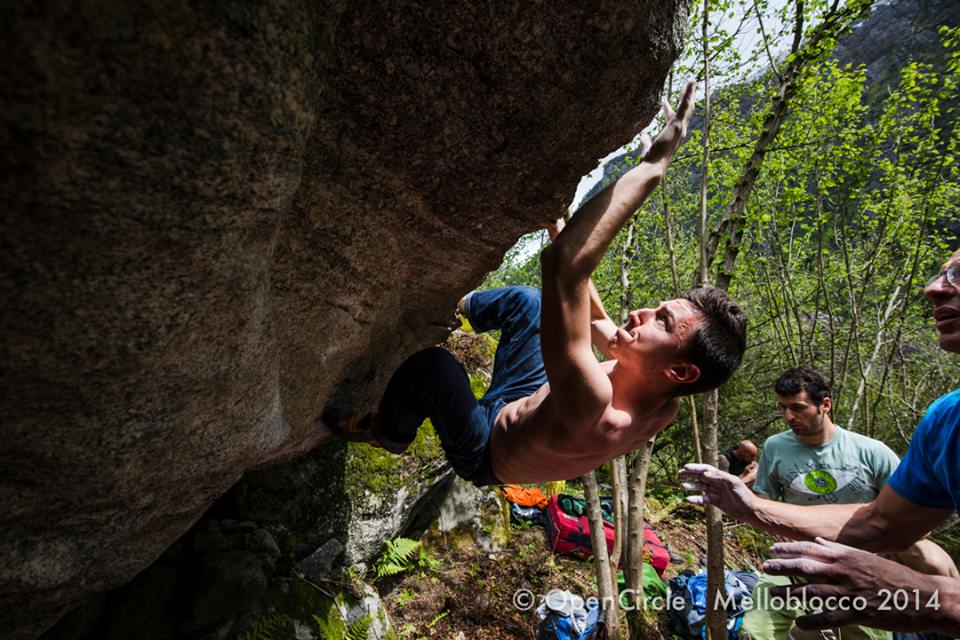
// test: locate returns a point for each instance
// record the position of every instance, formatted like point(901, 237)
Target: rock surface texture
point(219, 217)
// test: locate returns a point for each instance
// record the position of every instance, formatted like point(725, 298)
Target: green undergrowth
point(275, 627)
point(291, 604)
point(299, 607)
point(333, 627)
point(751, 539)
point(397, 557)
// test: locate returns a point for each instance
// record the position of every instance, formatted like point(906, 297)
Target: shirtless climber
point(561, 414)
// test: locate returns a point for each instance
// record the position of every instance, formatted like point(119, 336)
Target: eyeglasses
point(952, 275)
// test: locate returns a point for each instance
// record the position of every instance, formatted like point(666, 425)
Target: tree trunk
point(638, 488)
point(618, 466)
point(608, 596)
point(618, 478)
point(716, 615)
point(716, 621)
point(862, 387)
point(639, 619)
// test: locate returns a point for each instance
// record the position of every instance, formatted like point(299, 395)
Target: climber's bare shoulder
point(532, 443)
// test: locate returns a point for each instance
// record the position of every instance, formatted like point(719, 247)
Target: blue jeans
point(432, 384)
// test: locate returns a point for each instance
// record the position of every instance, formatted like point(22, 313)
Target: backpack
point(659, 555)
point(575, 506)
point(653, 585)
point(568, 530)
point(689, 621)
point(558, 627)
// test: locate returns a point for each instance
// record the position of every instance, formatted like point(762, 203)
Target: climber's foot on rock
point(350, 427)
point(363, 427)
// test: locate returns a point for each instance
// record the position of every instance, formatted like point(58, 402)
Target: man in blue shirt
point(930, 472)
point(855, 586)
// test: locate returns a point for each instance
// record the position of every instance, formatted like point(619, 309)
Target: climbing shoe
point(362, 427)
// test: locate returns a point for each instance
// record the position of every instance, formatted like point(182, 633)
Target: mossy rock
point(295, 608)
point(287, 604)
point(468, 516)
point(385, 490)
point(375, 470)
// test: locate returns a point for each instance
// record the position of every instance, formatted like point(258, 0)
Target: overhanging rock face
point(217, 218)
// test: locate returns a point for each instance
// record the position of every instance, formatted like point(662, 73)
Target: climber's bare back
point(530, 443)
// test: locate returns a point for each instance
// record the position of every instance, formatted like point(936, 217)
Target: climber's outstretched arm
point(583, 242)
point(566, 265)
point(602, 327)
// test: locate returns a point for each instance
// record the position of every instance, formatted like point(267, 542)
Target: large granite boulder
point(218, 217)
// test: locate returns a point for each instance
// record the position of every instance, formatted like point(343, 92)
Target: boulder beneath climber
point(357, 494)
point(220, 217)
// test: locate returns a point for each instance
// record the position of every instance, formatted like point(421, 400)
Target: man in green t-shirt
point(815, 462)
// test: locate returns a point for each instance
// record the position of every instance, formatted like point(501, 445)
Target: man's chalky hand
point(852, 586)
point(723, 490)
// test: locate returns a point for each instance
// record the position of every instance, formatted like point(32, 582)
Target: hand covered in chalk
point(723, 490)
point(858, 587)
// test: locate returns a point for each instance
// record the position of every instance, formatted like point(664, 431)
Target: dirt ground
point(470, 595)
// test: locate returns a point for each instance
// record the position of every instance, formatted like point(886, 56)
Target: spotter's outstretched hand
point(863, 586)
point(723, 490)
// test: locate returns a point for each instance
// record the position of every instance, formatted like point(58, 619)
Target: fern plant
point(397, 557)
point(275, 627)
point(359, 629)
point(334, 628)
point(428, 562)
